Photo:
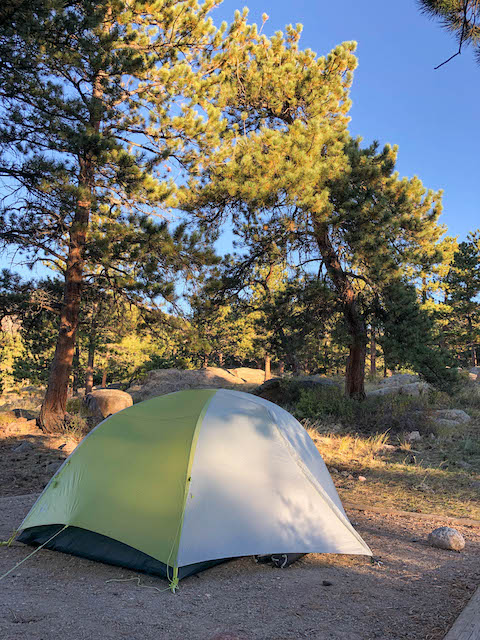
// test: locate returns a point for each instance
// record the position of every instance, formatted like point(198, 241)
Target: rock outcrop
point(408, 389)
point(399, 380)
point(162, 381)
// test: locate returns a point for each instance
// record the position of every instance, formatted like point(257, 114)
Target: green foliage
point(468, 396)
point(74, 405)
point(76, 427)
point(470, 447)
point(408, 337)
point(38, 327)
point(298, 185)
point(157, 361)
point(100, 101)
point(392, 413)
point(462, 286)
point(325, 403)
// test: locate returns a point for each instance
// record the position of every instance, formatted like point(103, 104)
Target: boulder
point(104, 402)
point(410, 389)
point(474, 374)
point(399, 380)
point(249, 376)
point(447, 538)
point(383, 391)
point(458, 416)
point(287, 390)
point(23, 413)
point(449, 420)
point(446, 426)
point(161, 381)
point(413, 436)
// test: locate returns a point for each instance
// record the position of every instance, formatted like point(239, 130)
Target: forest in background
point(133, 135)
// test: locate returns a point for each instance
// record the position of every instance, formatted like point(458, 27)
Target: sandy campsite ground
point(415, 592)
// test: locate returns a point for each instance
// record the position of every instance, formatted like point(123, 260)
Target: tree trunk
point(205, 361)
point(473, 350)
point(326, 358)
point(268, 373)
point(281, 368)
point(373, 353)
point(355, 373)
point(356, 326)
point(92, 338)
point(294, 364)
point(221, 360)
point(89, 369)
point(52, 413)
point(76, 370)
point(105, 370)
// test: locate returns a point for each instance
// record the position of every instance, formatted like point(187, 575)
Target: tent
point(181, 482)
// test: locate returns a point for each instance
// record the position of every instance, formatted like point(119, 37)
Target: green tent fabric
point(184, 481)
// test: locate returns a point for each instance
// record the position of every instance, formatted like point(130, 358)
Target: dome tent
point(181, 482)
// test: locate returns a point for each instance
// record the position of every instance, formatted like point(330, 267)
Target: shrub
point(392, 413)
point(76, 427)
point(74, 405)
point(468, 396)
point(324, 402)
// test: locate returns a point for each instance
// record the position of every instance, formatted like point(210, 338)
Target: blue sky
point(397, 96)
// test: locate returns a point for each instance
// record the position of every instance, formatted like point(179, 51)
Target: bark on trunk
point(54, 406)
point(205, 361)
point(52, 413)
point(373, 353)
point(91, 351)
point(89, 369)
point(281, 368)
point(268, 372)
point(105, 370)
point(76, 371)
point(295, 365)
point(356, 326)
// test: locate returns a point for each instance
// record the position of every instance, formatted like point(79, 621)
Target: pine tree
point(290, 172)
point(102, 99)
point(409, 338)
point(460, 17)
point(463, 289)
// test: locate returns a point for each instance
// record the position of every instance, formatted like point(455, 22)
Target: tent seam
point(191, 457)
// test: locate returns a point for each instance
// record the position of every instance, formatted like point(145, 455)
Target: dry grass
point(7, 418)
point(432, 476)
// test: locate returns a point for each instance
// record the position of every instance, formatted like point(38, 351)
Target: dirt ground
point(413, 592)
point(28, 457)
